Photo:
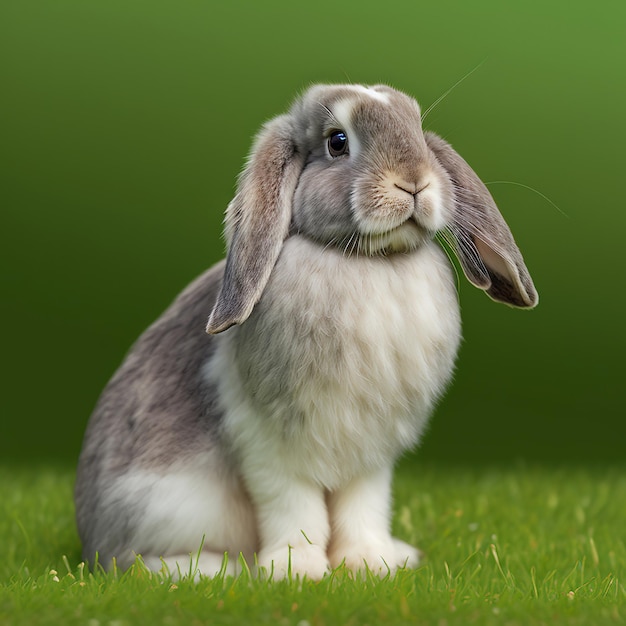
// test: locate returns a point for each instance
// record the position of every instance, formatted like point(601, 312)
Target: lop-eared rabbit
point(333, 329)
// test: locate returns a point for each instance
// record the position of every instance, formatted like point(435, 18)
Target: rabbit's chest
point(344, 358)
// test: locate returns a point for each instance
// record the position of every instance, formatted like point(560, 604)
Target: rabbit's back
point(157, 411)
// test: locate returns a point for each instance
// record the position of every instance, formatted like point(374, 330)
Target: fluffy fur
point(277, 438)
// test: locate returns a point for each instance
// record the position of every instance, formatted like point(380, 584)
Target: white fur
point(430, 210)
point(199, 504)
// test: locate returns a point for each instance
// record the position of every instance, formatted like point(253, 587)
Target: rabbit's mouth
point(406, 237)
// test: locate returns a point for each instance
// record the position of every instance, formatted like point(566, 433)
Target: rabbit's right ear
point(257, 222)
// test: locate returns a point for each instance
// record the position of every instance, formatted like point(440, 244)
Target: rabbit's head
point(349, 166)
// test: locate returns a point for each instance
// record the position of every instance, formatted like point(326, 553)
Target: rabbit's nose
point(410, 188)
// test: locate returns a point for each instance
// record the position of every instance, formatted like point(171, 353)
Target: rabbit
point(333, 331)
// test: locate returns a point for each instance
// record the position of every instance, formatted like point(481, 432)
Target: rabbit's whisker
point(450, 90)
point(539, 193)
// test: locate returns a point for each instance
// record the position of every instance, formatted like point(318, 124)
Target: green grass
point(502, 546)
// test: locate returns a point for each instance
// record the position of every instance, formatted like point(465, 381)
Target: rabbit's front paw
point(303, 560)
point(378, 556)
point(406, 555)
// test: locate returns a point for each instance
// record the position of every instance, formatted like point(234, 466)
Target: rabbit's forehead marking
point(373, 93)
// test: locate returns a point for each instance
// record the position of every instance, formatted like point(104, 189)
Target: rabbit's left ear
point(257, 222)
point(482, 240)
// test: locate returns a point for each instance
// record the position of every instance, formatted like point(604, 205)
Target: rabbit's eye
point(337, 143)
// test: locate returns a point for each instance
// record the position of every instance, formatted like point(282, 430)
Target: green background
point(125, 123)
